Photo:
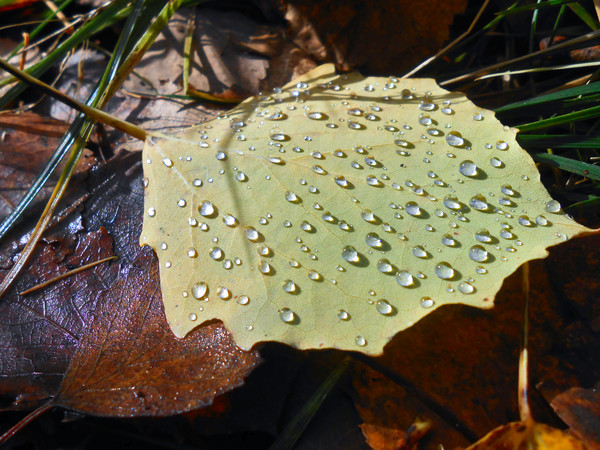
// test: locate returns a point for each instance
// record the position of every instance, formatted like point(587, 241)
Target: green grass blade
point(588, 113)
point(585, 16)
point(570, 165)
point(557, 141)
point(292, 432)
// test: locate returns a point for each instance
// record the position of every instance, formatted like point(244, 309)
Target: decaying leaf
point(580, 409)
point(527, 435)
point(341, 210)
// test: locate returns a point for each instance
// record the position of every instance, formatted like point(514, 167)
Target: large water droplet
point(478, 253)
point(452, 202)
point(385, 266)
point(413, 209)
point(207, 209)
point(350, 254)
point(341, 181)
point(552, 206)
point(541, 221)
point(200, 290)
point(373, 240)
point(454, 139)
point(466, 287)
point(265, 268)
point(444, 271)
point(383, 307)
point(216, 253)
point(404, 278)
point(419, 252)
point(483, 236)
point(229, 220)
point(479, 203)
point(343, 315)
point(448, 240)
point(468, 168)
point(224, 293)
point(314, 115)
point(368, 215)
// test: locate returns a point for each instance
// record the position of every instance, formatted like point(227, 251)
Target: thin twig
point(25, 421)
point(66, 274)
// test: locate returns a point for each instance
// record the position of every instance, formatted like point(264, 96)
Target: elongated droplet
point(479, 203)
point(419, 252)
point(427, 302)
point(454, 139)
point(368, 215)
point(341, 181)
point(384, 308)
point(287, 315)
point(483, 236)
point(385, 266)
point(373, 240)
point(413, 209)
point(452, 202)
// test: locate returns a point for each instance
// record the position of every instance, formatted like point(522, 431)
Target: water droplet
point(444, 271)
point(192, 253)
point(478, 117)
point(426, 302)
point(552, 206)
point(465, 287)
point(316, 115)
point(448, 111)
point(404, 278)
point(419, 252)
point(468, 168)
point(224, 293)
point(507, 190)
point(291, 197)
point(221, 156)
point(401, 143)
point(216, 253)
point(454, 139)
point(151, 211)
point(200, 290)
point(501, 145)
point(413, 209)
point(385, 266)
point(287, 315)
point(265, 268)
point(541, 220)
point(341, 181)
point(314, 275)
point(207, 209)
point(427, 106)
point(504, 233)
point(241, 176)
point(305, 226)
point(318, 169)
point(343, 315)
point(167, 162)
point(373, 240)
point(373, 181)
point(295, 264)
point(478, 253)
point(452, 202)
point(197, 182)
point(483, 236)
point(275, 160)
point(227, 264)
point(495, 162)
point(368, 216)
point(481, 270)
point(360, 341)
point(243, 300)
point(350, 254)
point(383, 307)
point(479, 203)
point(229, 220)
point(289, 286)
point(524, 220)
point(251, 234)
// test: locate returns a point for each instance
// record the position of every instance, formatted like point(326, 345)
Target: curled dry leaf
point(341, 210)
point(97, 341)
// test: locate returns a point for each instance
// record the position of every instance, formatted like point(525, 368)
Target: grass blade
point(570, 165)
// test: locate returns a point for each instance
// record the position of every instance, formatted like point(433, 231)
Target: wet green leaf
point(340, 211)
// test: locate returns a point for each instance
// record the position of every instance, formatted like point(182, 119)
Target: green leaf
point(340, 211)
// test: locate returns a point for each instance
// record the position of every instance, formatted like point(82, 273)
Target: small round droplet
point(314, 275)
point(287, 315)
point(350, 254)
point(384, 308)
point(289, 286)
point(167, 162)
point(478, 253)
point(229, 220)
point(478, 117)
point(251, 234)
point(241, 176)
point(343, 315)
point(468, 168)
point(373, 240)
point(444, 271)
point(224, 293)
point(216, 253)
point(541, 221)
point(481, 270)
point(291, 197)
point(305, 226)
point(265, 268)
point(200, 290)
point(452, 202)
point(151, 211)
point(192, 253)
point(221, 156)
point(466, 287)
point(360, 341)
point(404, 278)
point(501, 145)
point(497, 163)
point(243, 300)
point(341, 181)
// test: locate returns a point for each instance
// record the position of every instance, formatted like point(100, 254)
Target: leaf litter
point(341, 210)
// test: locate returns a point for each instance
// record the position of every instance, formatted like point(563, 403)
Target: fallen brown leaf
point(580, 409)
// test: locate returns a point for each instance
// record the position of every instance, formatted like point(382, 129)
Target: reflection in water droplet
point(216, 253)
point(373, 240)
point(265, 268)
point(343, 315)
point(478, 253)
point(404, 278)
point(444, 271)
point(495, 162)
point(524, 220)
point(413, 209)
point(451, 202)
point(385, 266)
point(315, 115)
point(479, 203)
point(251, 234)
point(221, 156)
point(448, 240)
point(360, 341)
point(224, 293)
point(454, 139)
point(383, 307)
point(465, 287)
point(192, 253)
point(483, 236)
point(289, 286)
point(426, 302)
point(552, 206)
point(506, 234)
point(229, 220)
point(501, 145)
point(241, 176)
point(291, 197)
point(419, 252)
point(468, 168)
point(341, 181)
point(243, 300)
point(287, 315)
point(368, 215)
point(541, 221)
point(200, 290)
point(207, 209)
point(350, 254)
point(314, 275)
point(318, 169)
point(507, 190)
point(373, 181)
